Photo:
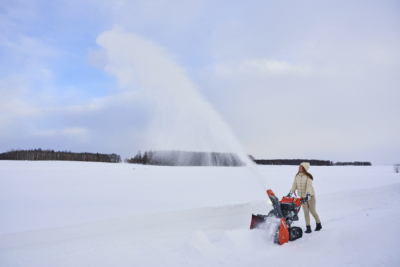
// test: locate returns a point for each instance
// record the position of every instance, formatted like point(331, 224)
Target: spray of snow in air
point(181, 118)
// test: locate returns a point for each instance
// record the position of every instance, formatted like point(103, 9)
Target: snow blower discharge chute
point(287, 211)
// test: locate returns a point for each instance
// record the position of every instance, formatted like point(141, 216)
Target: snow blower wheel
point(295, 233)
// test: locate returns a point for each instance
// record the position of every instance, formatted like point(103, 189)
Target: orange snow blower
point(287, 211)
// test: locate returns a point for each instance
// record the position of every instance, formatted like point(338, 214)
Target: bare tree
point(396, 167)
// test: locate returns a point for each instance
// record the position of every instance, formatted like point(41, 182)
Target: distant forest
point(39, 154)
point(313, 162)
point(165, 158)
point(355, 163)
point(185, 158)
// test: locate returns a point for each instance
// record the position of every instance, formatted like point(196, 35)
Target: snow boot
point(308, 230)
point(319, 227)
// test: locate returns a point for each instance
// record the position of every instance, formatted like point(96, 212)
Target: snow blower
point(287, 211)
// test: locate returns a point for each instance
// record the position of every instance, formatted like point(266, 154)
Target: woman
point(303, 184)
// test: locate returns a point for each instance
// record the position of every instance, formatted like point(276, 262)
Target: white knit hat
point(305, 165)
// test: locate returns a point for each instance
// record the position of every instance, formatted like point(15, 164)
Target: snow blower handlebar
point(275, 201)
point(305, 199)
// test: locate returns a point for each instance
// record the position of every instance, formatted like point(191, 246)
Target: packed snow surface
point(99, 214)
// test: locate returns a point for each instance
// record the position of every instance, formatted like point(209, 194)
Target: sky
point(289, 79)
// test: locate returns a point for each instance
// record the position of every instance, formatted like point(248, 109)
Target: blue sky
point(309, 79)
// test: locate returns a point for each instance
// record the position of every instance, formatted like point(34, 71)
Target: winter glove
point(290, 194)
point(308, 196)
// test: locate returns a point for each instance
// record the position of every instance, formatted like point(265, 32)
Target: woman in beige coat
point(303, 184)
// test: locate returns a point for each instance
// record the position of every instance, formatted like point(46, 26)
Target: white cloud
point(261, 66)
point(81, 133)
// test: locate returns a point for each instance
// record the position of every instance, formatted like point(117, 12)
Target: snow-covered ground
point(98, 214)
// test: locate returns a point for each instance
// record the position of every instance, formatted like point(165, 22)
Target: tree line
point(39, 154)
point(185, 158)
point(355, 163)
point(164, 158)
point(313, 162)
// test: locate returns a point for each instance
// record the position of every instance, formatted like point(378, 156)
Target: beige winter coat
point(303, 184)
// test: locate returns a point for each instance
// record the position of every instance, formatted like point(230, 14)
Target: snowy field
point(99, 214)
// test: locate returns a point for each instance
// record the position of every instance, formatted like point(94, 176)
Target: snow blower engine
point(287, 211)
